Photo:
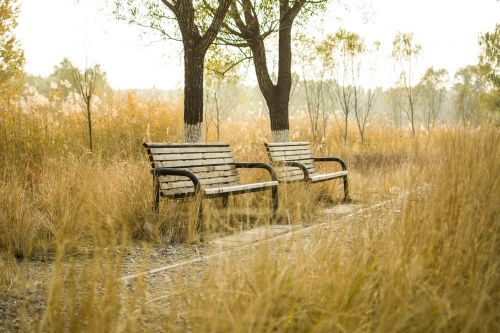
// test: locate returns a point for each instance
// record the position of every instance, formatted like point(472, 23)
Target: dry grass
point(52, 189)
point(433, 267)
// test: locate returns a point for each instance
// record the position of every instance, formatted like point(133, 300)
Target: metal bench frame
point(161, 165)
point(297, 156)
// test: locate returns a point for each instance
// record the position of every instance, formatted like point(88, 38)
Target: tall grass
point(434, 267)
point(427, 263)
point(431, 267)
point(52, 188)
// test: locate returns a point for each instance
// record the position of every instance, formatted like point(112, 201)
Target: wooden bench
point(203, 170)
point(294, 162)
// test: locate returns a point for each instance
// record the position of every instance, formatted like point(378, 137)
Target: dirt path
point(163, 269)
point(165, 283)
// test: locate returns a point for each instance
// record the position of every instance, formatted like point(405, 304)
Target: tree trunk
point(277, 96)
point(193, 96)
point(89, 122)
point(278, 114)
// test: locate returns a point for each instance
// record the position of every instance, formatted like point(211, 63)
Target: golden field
point(427, 262)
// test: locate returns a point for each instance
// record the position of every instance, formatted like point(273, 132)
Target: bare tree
point(363, 103)
point(404, 52)
point(345, 89)
point(220, 96)
point(393, 97)
point(87, 83)
point(433, 92)
point(313, 60)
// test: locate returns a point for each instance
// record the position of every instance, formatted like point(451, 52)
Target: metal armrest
point(257, 165)
point(299, 165)
point(162, 171)
point(331, 159)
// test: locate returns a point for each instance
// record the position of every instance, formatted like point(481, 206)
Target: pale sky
point(50, 30)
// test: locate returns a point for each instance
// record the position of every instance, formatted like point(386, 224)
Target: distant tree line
point(330, 79)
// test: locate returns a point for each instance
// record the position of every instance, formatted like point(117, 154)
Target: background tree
point(490, 55)
point(432, 89)
point(393, 97)
point(11, 55)
point(315, 60)
point(88, 83)
point(489, 60)
point(197, 33)
point(364, 99)
point(404, 52)
point(221, 93)
point(345, 89)
point(60, 83)
point(470, 85)
point(248, 25)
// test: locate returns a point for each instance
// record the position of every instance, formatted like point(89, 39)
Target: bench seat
point(327, 176)
point(236, 189)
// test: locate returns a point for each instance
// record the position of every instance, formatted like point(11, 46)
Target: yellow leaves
point(11, 55)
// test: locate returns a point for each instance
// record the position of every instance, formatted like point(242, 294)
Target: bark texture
point(276, 95)
point(195, 48)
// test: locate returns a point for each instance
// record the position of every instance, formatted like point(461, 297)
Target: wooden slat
point(227, 168)
point(294, 175)
point(205, 182)
point(311, 170)
point(200, 175)
point(178, 150)
point(240, 188)
point(290, 153)
point(287, 148)
point(297, 158)
point(194, 163)
point(184, 144)
point(327, 176)
point(177, 191)
point(190, 156)
point(211, 168)
point(290, 143)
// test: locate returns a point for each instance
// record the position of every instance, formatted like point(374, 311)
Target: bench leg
point(156, 196)
point(346, 190)
point(200, 220)
point(275, 201)
point(225, 201)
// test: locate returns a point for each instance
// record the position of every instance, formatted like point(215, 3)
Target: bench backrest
point(291, 151)
point(212, 163)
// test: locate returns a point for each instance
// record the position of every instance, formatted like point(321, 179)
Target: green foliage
point(153, 14)
point(470, 89)
point(62, 78)
point(231, 40)
point(432, 89)
point(60, 84)
point(490, 55)
point(11, 55)
point(349, 42)
point(404, 48)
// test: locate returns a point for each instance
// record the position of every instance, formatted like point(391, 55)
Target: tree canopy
point(11, 55)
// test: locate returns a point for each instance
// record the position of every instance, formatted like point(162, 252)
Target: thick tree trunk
point(193, 96)
point(277, 96)
point(278, 114)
